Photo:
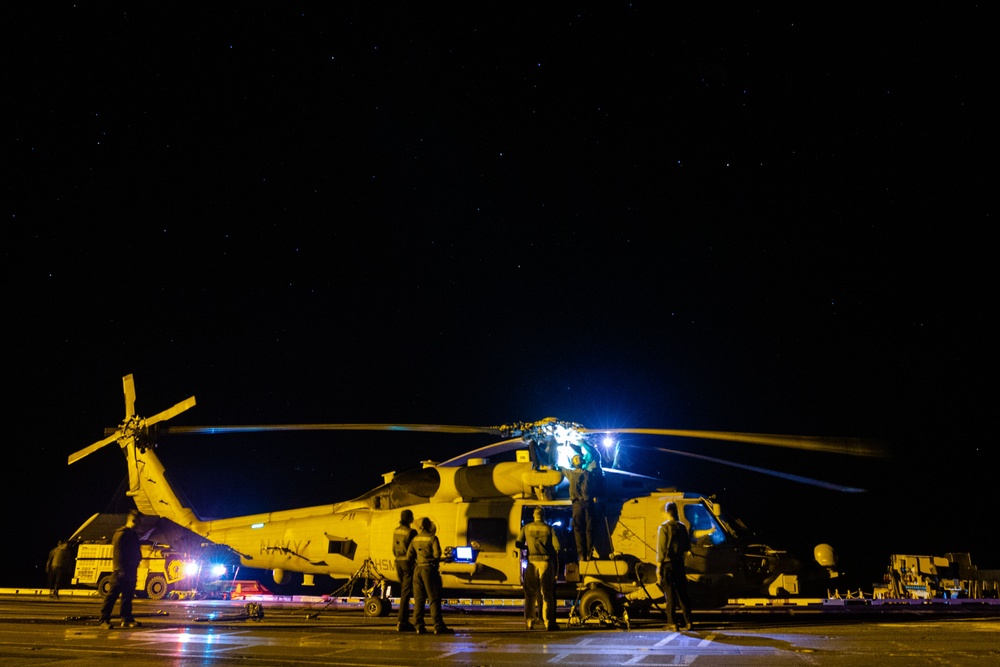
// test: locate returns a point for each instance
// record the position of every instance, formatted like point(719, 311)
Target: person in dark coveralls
point(672, 544)
point(57, 567)
point(125, 562)
point(542, 545)
point(581, 493)
point(424, 555)
point(401, 538)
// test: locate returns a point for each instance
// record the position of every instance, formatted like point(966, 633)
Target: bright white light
point(191, 569)
point(609, 442)
point(566, 454)
point(219, 570)
point(566, 436)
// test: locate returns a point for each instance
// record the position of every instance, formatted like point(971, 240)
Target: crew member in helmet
point(126, 554)
point(542, 545)
point(581, 492)
point(401, 538)
point(672, 545)
point(425, 555)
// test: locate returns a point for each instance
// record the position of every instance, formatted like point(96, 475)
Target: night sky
point(751, 219)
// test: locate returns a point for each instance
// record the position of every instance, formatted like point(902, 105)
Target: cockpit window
point(738, 528)
point(705, 530)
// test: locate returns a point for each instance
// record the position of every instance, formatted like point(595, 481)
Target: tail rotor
point(134, 428)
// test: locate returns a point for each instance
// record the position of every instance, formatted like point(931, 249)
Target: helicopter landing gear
point(373, 586)
point(369, 579)
point(377, 606)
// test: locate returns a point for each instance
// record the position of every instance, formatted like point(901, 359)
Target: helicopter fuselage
point(476, 511)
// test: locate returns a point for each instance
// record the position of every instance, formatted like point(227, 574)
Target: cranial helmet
point(406, 517)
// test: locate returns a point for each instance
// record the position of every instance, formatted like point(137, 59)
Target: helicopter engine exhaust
point(491, 481)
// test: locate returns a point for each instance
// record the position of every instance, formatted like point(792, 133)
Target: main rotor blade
point(260, 428)
point(764, 471)
point(172, 412)
point(483, 452)
point(850, 446)
point(129, 385)
point(86, 451)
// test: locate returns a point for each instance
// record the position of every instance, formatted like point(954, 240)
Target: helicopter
point(477, 508)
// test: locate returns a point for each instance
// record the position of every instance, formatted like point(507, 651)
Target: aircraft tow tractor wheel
point(594, 601)
point(375, 606)
point(175, 569)
point(104, 585)
point(156, 587)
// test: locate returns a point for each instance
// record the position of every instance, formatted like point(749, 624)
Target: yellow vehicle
point(159, 570)
point(926, 577)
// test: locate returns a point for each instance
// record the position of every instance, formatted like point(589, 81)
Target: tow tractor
point(160, 569)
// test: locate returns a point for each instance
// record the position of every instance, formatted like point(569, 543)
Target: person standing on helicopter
point(582, 496)
point(401, 538)
point(672, 544)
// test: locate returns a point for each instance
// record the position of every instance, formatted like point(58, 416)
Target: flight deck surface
point(37, 630)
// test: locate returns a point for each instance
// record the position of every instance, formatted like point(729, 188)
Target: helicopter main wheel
point(156, 587)
point(596, 602)
point(104, 585)
point(376, 606)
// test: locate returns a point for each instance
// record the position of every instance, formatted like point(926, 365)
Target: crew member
point(424, 555)
point(542, 545)
point(672, 544)
point(126, 554)
point(581, 493)
point(57, 567)
point(533, 454)
point(401, 538)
